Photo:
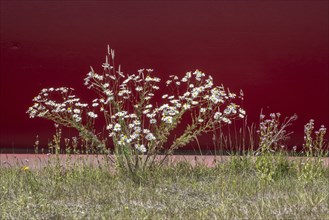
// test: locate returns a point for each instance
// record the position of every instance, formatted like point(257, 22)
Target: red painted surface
point(276, 51)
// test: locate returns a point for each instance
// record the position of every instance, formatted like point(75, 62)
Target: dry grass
point(233, 190)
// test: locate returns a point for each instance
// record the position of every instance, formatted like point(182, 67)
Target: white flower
point(95, 104)
point(76, 117)
point(167, 119)
point(198, 74)
point(231, 95)
point(227, 111)
point(148, 79)
point(242, 111)
point(141, 148)
point(117, 127)
point(146, 131)
point(153, 121)
point(186, 94)
point(150, 137)
point(138, 130)
point(99, 77)
point(121, 114)
point(136, 122)
point(195, 94)
point(217, 115)
point(134, 136)
point(109, 127)
point(186, 106)
point(108, 92)
point(202, 110)
point(77, 111)
point(200, 120)
point(164, 96)
point(139, 88)
point(151, 115)
point(92, 115)
point(146, 111)
point(226, 120)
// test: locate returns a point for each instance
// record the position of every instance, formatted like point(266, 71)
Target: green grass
point(234, 190)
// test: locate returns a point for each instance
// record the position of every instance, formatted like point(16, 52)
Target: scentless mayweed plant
point(135, 124)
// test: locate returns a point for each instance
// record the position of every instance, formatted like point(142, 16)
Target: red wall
point(276, 51)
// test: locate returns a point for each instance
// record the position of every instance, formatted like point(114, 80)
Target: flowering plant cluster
point(137, 120)
point(272, 132)
point(314, 143)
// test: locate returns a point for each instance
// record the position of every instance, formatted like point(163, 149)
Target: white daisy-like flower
point(138, 129)
point(198, 74)
point(134, 136)
point(92, 115)
point(136, 122)
point(150, 137)
point(121, 114)
point(151, 115)
point(108, 92)
point(148, 79)
point(146, 131)
point(226, 120)
point(167, 119)
point(146, 111)
point(186, 106)
point(117, 127)
point(186, 94)
point(141, 148)
point(217, 115)
point(76, 117)
point(227, 111)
